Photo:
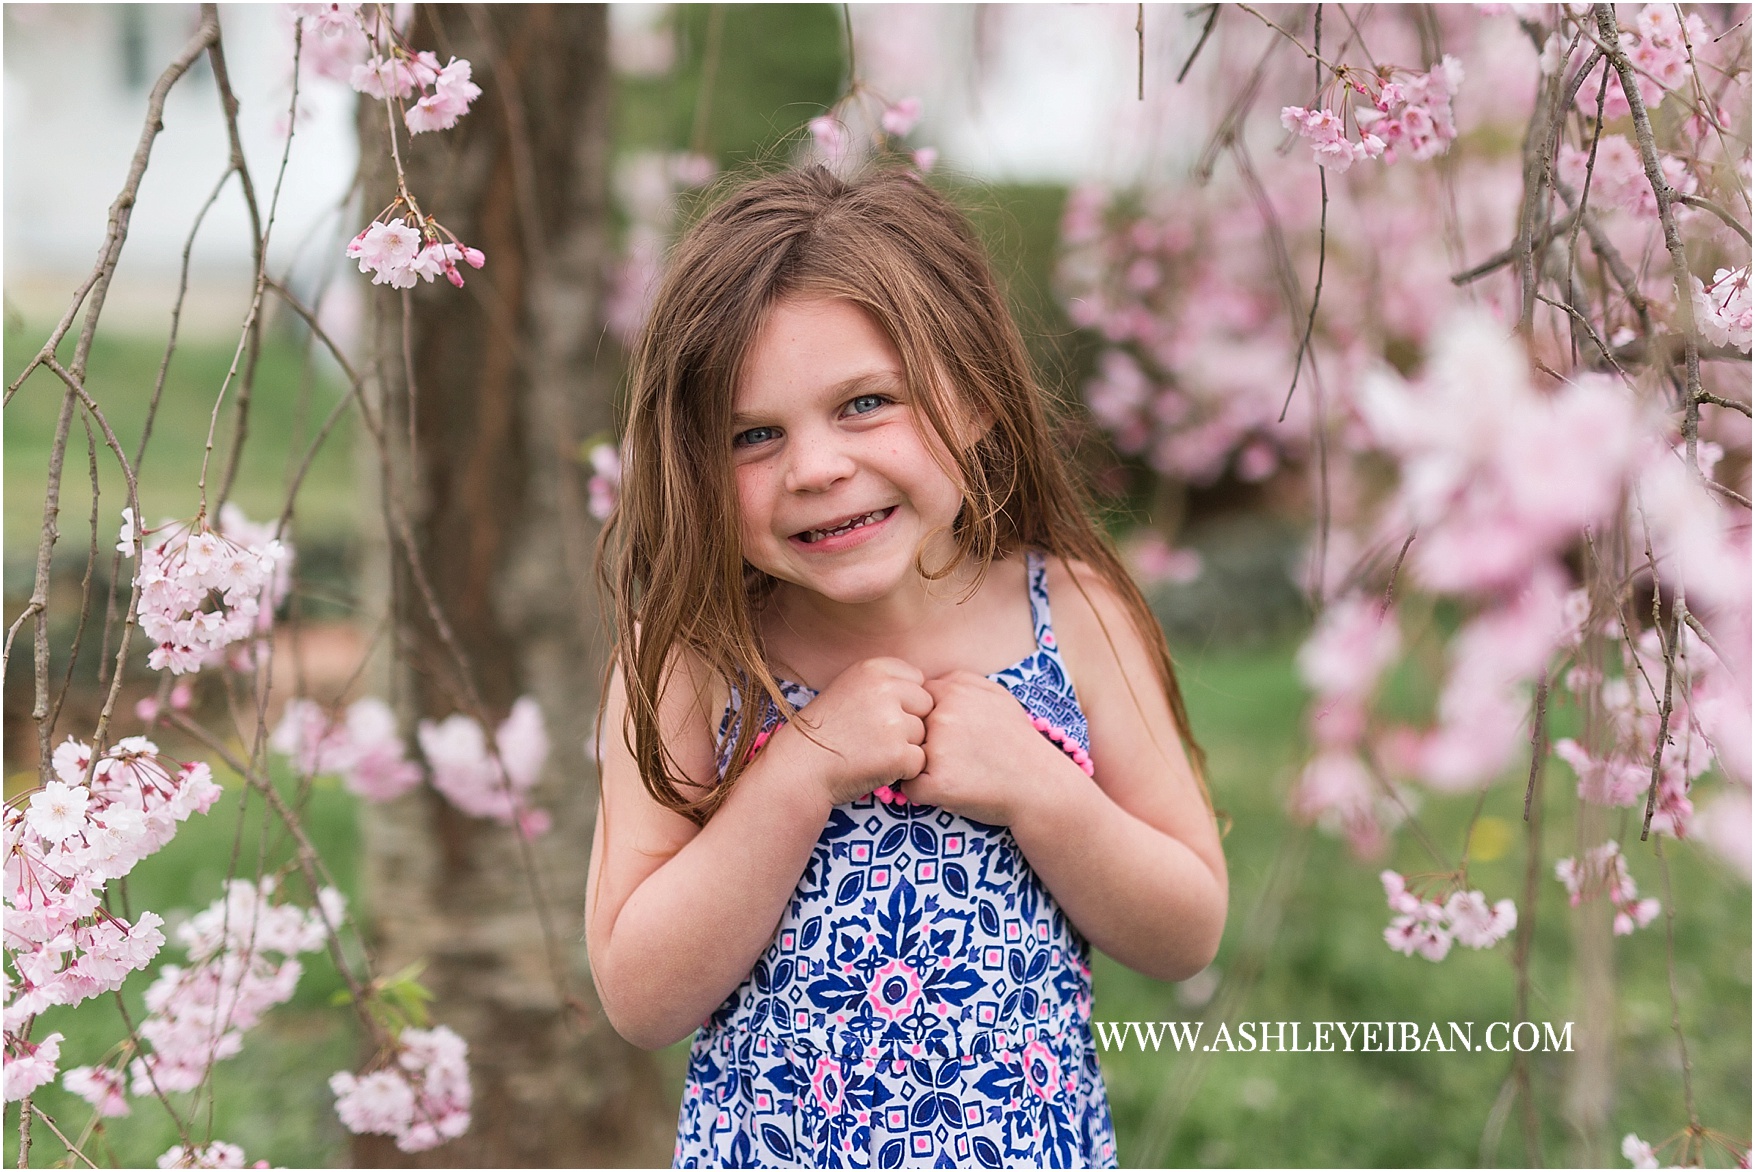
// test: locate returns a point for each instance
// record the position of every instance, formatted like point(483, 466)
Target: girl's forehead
point(811, 345)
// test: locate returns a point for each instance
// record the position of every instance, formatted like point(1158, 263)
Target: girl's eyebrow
point(888, 381)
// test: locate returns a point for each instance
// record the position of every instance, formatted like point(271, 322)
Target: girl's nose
point(818, 463)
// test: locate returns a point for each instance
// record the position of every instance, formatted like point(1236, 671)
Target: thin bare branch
point(228, 103)
point(72, 1148)
point(1311, 54)
point(1654, 174)
point(1205, 32)
point(97, 284)
point(1706, 205)
point(1732, 404)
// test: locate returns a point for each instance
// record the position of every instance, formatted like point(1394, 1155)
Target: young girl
point(871, 804)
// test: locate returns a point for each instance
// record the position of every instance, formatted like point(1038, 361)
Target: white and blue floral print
point(924, 1001)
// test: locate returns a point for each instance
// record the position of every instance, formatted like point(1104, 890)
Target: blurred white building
point(1042, 92)
point(77, 81)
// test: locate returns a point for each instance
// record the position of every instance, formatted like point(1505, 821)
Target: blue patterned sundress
point(924, 1001)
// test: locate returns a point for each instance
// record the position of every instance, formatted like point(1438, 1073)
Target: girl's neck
point(936, 626)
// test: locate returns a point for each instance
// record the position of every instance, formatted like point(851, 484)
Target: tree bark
point(483, 428)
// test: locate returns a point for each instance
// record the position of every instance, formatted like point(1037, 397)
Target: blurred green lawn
point(1328, 962)
point(290, 401)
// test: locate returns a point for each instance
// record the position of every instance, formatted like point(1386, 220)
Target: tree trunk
point(503, 388)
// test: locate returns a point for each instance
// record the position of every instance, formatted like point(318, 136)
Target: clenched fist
point(869, 725)
point(984, 759)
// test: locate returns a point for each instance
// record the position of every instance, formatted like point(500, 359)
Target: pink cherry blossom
point(1354, 641)
point(384, 78)
point(440, 258)
point(1338, 793)
point(381, 1102)
point(1618, 176)
point(105, 1089)
point(484, 784)
point(1637, 1152)
point(57, 811)
point(203, 590)
point(217, 1154)
point(1493, 475)
point(387, 250)
point(900, 118)
point(29, 1066)
point(452, 93)
point(1418, 934)
point(1723, 309)
point(422, 1099)
point(1604, 873)
point(331, 19)
point(243, 961)
point(1476, 925)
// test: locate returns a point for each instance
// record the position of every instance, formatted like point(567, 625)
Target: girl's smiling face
point(840, 484)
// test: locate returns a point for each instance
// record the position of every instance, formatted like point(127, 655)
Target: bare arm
point(1132, 856)
point(676, 916)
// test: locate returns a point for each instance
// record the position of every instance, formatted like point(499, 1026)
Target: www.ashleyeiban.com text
point(1329, 1037)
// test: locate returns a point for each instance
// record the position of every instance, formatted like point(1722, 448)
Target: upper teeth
point(846, 526)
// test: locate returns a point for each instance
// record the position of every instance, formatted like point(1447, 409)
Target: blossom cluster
point(1355, 641)
point(1495, 474)
point(363, 748)
point(1723, 308)
point(344, 42)
point(1412, 115)
point(202, 590)
point(391, 72)
point(490, 784)
point(1617, 175)
point(649, 186)
point(217, 1154)
point(243, 951)
point(1660, 57)
point(422, 1098)
point(1604, 872)
point(1619, 774)
point(1428, 927)
point(837, 147)
point(445, 90)
point(1175, 292)
point(61, 848)
point(399, 254)
point(605, 485)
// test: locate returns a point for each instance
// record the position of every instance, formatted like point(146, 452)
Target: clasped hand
point(959, 741)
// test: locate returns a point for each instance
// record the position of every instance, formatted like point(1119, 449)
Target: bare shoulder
point(1098, 637)
point(1140, 759)
point(635, 833)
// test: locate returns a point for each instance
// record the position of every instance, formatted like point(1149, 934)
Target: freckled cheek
point(754, 507)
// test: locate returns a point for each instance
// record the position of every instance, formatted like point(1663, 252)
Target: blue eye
point(866, 404)
point(754, 436)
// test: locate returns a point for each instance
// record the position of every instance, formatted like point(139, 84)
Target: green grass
point(289, 402)
point(1328, 962)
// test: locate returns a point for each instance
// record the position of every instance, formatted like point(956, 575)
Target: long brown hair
point(670, 555)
